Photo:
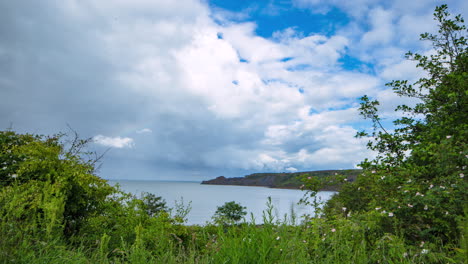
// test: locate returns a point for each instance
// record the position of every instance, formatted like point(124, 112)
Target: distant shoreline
point(283, 180)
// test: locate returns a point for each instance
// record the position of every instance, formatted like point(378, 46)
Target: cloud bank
point(190, 91)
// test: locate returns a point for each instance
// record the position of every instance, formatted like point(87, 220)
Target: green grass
point(158, 240)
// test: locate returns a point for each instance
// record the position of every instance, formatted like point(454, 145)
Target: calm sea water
point(205, 198)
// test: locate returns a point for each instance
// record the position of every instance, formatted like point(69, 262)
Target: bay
point(206, 198)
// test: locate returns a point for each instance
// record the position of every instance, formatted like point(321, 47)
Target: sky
point(195, 89)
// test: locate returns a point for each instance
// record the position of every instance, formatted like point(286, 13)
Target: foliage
point(417, 178)
point(153, 204)
point(230, 212)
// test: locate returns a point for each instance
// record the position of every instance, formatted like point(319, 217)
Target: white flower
point(442, 187)
point(277, 238)
point(409, 181)
point(378, 208)
point(390, 214)
point(333, 230)
point(462, 175)
point(446, 213)
point(344, 209)
point(373, 171)
point(5, 168)
point(349, 214)
point(430, 186)
point(449, 137)
point(424, 251)
point(399, 187)
point(382, 177)
point(425, 207)
point(410, 205)
point(405, 255)
point(14, 176)
point(422, 244)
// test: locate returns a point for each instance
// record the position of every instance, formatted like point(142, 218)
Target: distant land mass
point(283, 180)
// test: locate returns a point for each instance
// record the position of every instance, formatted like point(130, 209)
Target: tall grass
point(160, 240)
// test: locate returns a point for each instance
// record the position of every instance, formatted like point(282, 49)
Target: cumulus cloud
point(114, 142)
point(197, 89)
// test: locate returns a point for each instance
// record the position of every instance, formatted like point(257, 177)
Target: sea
point(204, 199)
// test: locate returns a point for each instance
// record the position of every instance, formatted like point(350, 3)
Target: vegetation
point(292, 180)
point(230, 212)
point(407, 206)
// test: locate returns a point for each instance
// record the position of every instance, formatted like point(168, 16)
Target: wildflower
point(304, 241)
point(422, 244)
point(425, 207)
point(378, 208)
point(349, 214)
point(449, 137)
point(344, 209)
point(406, 191)
point(384, 212)
point(373, 171)
point(359, 188)
point(442, 187)
point(345, 179)
point(390, 214)
point(5, 168)
point(14, 176)
point(302, 186)
point(277, 238)
point(333, 230)
point(446, 213)
point(430, 186)
point(417, 194)
point(410, 205)
point(399, 187)
point(462, 175)
point(409, 181)
point(382, 177)
point(424, 251)
point(405, 254)
point(309, 178)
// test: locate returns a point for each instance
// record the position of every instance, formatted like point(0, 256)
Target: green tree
point(46, 186)
point(230, 212)
point(153, 205)
point(417, 177)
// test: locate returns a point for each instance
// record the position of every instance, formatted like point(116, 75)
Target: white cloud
point(115, 142)
point(206, 94)
point(144, 131)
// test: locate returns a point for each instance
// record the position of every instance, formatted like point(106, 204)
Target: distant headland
point(283, 180)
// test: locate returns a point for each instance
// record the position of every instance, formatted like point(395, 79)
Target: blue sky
point(194, 89)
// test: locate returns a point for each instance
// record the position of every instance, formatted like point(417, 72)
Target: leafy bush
point(417, 178)
point(230, 212)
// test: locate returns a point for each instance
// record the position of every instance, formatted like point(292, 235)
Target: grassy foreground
point(137, 238)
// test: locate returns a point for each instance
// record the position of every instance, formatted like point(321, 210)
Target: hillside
point(282, 180)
